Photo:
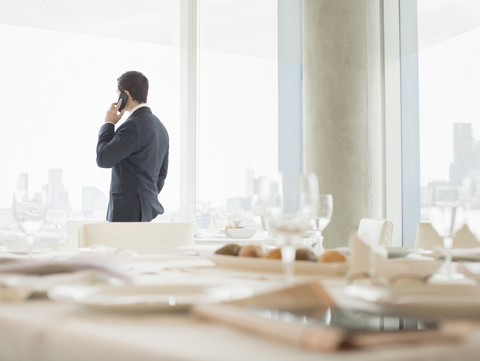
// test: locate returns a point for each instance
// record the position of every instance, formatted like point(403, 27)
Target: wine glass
point(30, 209)
point(291, 201)
point(322, 219)
point(446, 215)
point(196, 211)
point(259, 204)
point(472, 207)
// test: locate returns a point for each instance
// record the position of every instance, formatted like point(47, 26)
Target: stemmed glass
point(322, 219)
point(196, 211)
point(472, 208)
point(291, 201)
point(259, 204)
point(30, 210)
point(446, 215)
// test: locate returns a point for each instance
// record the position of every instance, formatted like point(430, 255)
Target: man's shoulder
point(141, 112)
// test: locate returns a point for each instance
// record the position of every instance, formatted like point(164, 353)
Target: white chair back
point(428, 238)
point(73, 227)
point(376, 232)
point(142, 237)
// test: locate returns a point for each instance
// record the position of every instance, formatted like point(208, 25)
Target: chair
point(376, 232)
point(73, 227)
point(142, 237)
point(428, 238)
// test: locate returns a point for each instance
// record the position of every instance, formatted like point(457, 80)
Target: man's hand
point(112, 115)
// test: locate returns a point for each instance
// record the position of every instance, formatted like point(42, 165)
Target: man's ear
point(128, 94)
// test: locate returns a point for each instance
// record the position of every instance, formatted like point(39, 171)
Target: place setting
point(424, 287)
point(293, 249)
point(276, 276)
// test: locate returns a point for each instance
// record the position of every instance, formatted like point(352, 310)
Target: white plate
point(275, 265)
point(145, 298)
point(403, 268)
point(432, 301)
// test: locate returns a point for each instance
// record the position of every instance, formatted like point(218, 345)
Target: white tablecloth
point(40, 329)
point(44, 330)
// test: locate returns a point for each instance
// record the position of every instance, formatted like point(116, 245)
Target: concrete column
point(343, 123)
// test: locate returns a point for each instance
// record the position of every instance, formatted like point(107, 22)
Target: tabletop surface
point(44, 330)
point(40, 329)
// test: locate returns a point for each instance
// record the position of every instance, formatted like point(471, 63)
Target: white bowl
point(241, 233)
point(403, 267)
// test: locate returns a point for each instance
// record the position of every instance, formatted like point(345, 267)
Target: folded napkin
point(19, 287)
point(113, 267)
point(96, 250)
point(363, 256)
point(307, 299)
point(459, 254)
point(151, 264)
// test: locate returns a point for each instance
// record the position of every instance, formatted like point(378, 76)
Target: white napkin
point(363, 256)
point(19, 287)
point(152, 264)
point(96, 250)
point(460, 254)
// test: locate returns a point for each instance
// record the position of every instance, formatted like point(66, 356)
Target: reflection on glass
point(322, 219)
point(69, 58)
point(196, 211)
point(30, 210)
point(289, 224)
point(446, 215)
point(238, 93)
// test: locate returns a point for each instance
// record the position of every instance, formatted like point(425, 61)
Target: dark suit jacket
point(138, 155)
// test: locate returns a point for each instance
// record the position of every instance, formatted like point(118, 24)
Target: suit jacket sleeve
point(163, 173)
point(114, 147)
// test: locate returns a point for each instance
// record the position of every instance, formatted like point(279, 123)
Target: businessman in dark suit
point(137, 152)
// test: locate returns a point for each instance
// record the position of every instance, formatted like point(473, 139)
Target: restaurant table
point(41, 329)
point(45, 330)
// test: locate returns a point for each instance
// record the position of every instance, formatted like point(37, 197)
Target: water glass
point(29, 209)
point(322, 219)
point(446, 214)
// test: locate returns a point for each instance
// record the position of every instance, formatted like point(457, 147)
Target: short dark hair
point(136, 83)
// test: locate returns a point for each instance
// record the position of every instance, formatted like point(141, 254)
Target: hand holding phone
point(115, 112)
point(124, 98)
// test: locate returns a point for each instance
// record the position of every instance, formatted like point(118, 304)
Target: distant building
point(22, 182)
point(56, 194)
point(466, 154)
point(249, 182)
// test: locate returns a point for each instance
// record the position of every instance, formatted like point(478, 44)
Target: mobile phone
point(124, 98)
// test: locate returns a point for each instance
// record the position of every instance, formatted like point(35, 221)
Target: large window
point(238, 102)
point(59, 65)
point(440, 95)
point(449, 90)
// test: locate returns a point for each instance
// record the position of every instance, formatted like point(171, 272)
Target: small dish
point(405, 268)
point(241, 233)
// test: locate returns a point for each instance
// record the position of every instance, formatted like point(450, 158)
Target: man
point(137, 153)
